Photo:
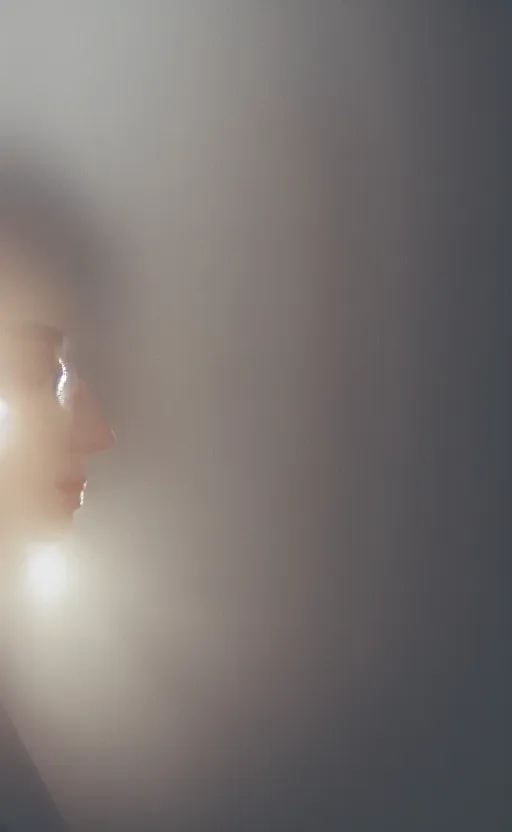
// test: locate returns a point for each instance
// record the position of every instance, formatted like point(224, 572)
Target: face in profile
point(50, 422)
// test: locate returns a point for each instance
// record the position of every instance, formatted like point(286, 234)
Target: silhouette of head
point(49, 420)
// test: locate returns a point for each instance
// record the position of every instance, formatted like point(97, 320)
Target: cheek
point(33, 438)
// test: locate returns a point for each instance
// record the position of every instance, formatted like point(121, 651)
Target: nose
point(91, 432)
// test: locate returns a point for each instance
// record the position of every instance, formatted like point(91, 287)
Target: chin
point(38, 514)
point(48, 528)
point(47, 525)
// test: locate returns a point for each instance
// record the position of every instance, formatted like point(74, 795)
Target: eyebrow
point(49, 335)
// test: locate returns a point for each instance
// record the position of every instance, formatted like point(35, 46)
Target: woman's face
point(49, 420)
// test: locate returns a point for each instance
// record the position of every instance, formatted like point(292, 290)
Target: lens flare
point(47, 572)
point(5, 419)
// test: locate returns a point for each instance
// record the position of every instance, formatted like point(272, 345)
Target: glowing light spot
point(47, 572)
point(5, 420)
point(61, 386)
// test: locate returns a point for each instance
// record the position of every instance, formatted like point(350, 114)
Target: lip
point(72, 492)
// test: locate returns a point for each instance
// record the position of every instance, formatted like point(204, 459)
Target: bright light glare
point(62, 385)
point(4, 419)
point(47, 573)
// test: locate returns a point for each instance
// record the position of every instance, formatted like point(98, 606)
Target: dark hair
point(41, 213)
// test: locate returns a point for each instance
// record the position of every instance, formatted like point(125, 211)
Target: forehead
point(32, 297)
